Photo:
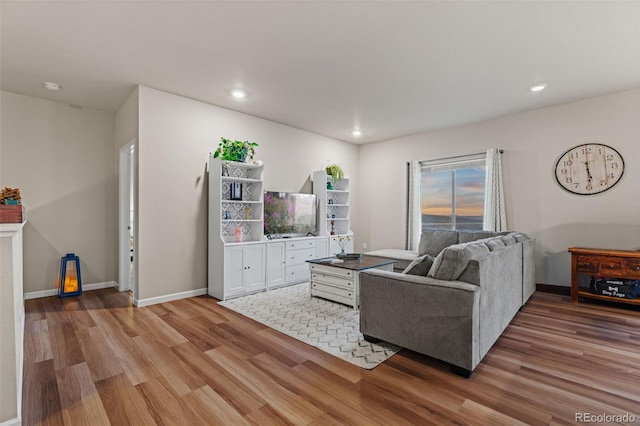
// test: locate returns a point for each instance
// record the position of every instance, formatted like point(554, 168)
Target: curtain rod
point(501, 151)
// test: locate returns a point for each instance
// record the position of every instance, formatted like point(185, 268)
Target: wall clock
point(589, 169)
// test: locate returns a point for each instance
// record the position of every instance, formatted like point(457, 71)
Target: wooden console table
point(605, 263)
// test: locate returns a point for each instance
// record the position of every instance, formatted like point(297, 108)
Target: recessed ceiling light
point(357, 132)
point(238, 93)
point(538, 87)
point(50, 85)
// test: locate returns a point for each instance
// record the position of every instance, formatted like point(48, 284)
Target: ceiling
point(389, 68)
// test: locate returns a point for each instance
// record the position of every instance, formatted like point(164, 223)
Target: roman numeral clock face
point(589, 169)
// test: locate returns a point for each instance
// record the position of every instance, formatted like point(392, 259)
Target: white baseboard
point(12, 422)
point(54, 291)
point(169, 297)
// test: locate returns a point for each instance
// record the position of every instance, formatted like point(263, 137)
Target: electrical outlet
point(364, 246)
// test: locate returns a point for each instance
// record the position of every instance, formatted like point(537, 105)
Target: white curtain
point(414, 208)
point(495, 215)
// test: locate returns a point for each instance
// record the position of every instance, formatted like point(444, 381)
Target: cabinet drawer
point(297, 272)
point(587, 264)
point(632, 267)
point(329, 270)
point(342, 282)
point(296, 257)
point(331, 291)
point(300, 244)
point(611, 265)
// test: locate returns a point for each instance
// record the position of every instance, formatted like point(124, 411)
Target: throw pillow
point(433, 241)
point(453, 260)
point(419, 266)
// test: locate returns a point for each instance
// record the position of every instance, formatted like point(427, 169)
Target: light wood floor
point(96, 360)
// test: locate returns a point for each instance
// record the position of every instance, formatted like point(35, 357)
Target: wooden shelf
point(589, 295)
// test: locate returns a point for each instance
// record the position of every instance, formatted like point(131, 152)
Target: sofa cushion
point(433, 241)
point(468, 236)
point(395, 254)
point(453, 260)
point(508, 239)
point(420, 266)
point(519, 236)
point(495, 244)
point(471, 273)
point(402, 257)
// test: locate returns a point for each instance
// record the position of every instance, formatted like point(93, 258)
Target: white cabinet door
point(275, 264)
point(233, 271)
point(322, 247)
point(254, 260)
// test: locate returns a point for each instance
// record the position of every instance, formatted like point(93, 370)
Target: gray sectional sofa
point(473, 287)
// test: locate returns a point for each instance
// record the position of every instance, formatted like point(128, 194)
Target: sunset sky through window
point(437, 193)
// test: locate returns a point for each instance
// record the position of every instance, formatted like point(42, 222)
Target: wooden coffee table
point(339, 281)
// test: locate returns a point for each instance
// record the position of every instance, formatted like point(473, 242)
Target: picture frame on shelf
point(235, 191)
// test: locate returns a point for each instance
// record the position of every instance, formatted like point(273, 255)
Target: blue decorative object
point(70, 281)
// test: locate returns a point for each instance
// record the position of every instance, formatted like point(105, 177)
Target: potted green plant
point(335, 171)
point(240, 151)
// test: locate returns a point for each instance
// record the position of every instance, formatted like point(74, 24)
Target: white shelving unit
point(333, 209)
point(245, 212)
point(13, 319)
point(256, 264)
point(235, 267)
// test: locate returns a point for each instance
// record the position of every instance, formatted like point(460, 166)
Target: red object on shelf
point(11, 214)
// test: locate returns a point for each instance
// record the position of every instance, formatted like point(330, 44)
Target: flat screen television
point(289, 214)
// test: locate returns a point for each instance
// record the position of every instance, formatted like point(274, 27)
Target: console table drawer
point(632, 267)
point(301, 244)
point(588, 264)
point(296, 257)
point(611, 265)
point(333, 280)
point(329, 270)
point(330, 292)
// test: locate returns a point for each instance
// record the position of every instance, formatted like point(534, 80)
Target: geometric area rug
point(331, 327)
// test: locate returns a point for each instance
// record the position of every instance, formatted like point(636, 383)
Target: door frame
point(126, 177)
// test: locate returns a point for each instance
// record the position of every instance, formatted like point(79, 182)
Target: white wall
point(62, 160)
point(176, 135)
point(533, 141)
point(126, 122)
point(126, 130)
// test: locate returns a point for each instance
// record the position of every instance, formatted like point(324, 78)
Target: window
point(452, 192)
